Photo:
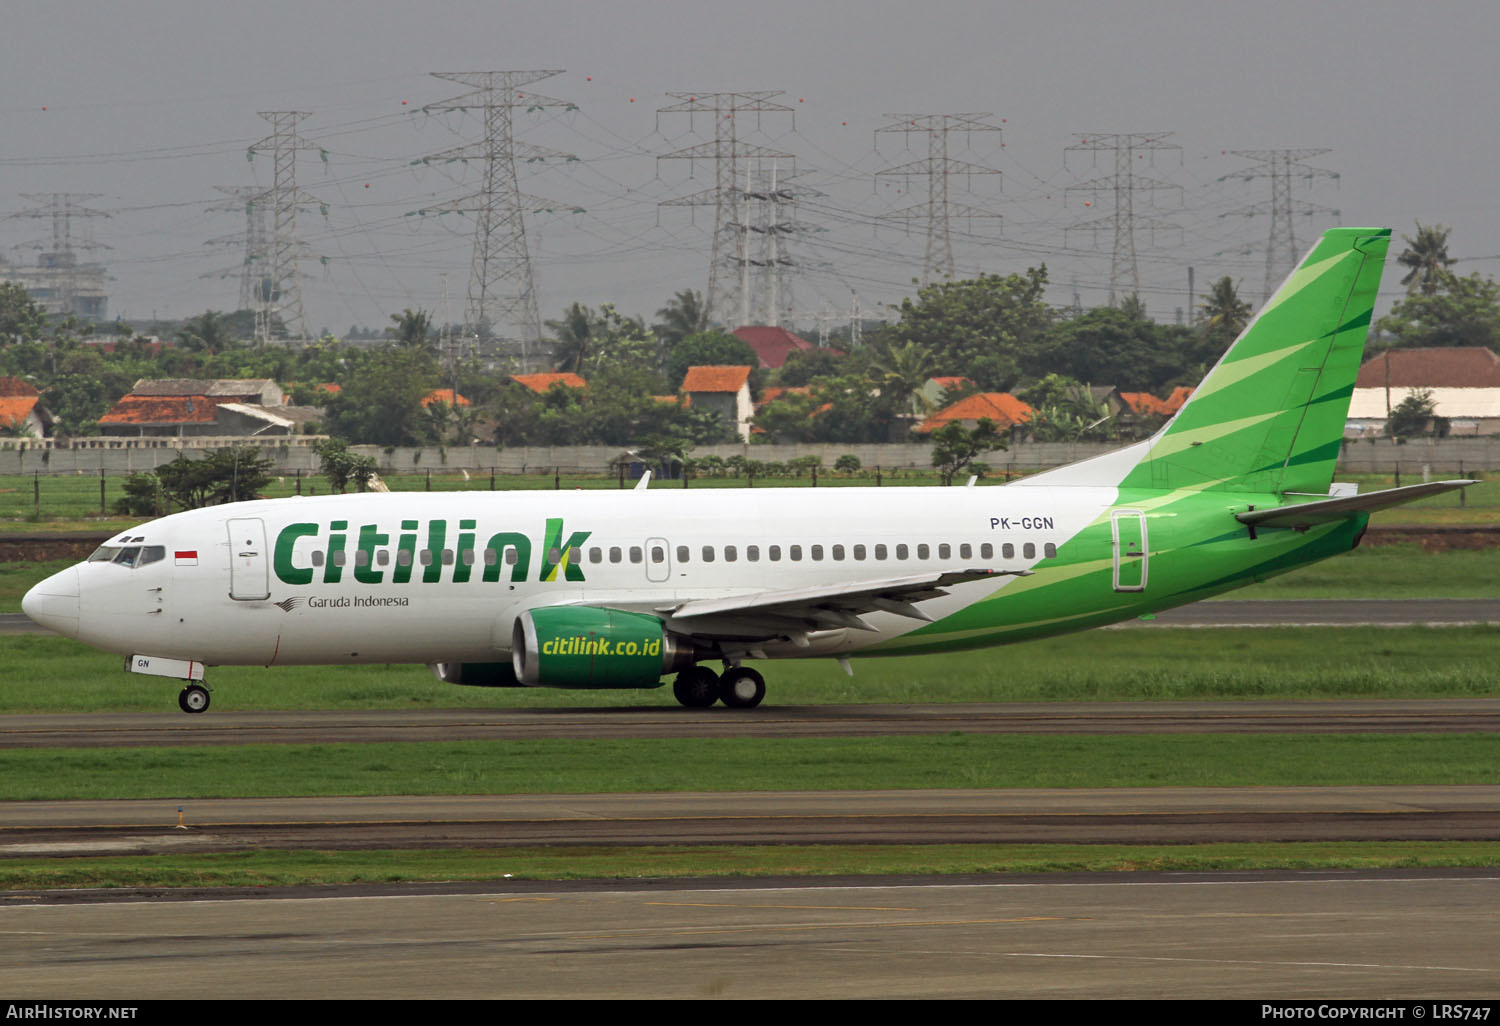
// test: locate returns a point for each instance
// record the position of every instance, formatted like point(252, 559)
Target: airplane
point(620, 589)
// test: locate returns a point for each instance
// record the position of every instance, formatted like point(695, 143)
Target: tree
point(206, 333)
point(412, 329)
point(902, 370)
point(574, 338)
point(1225, 314)
point(683, 315)
point(954, 447)
point(1414, 415)
point(223, 475)
point(343, 467)
point(1466, 312)
point(708, 349)
point(984, 328)
point(381, 401)
point(1427, 256)
point(21, 319)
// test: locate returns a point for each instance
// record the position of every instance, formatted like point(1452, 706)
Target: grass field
point(71, 501)
point(49, 674)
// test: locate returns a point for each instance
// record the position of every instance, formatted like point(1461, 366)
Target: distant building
point(1004, 409)
point(1464, 382)
point(445, 395)
point(724, 391)
point(21, 411)
point(541, 383)
point(189, 407)
point(772, 345)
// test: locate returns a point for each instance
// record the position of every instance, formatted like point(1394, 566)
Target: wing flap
point(791, 611)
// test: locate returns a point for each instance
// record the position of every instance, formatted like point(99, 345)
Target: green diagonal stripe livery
point(1298, 360)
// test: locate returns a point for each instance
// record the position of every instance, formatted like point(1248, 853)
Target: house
point(21, 411)
point(1001, 407)
point(541, 383)
point(1464, 382)
point(772, 345)
point(187, 407)
point(445, 395)
point(932, 391)
point(724, 391)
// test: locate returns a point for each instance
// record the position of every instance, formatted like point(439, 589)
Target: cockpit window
point(129, 555)
point(104, 553)
point(151, 554)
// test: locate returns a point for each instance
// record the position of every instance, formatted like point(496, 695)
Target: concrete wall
point(1447, 456)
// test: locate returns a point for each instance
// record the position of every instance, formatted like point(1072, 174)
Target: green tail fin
point(1270, 415)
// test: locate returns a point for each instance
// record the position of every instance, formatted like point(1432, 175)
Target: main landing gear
point(739, 688)
point(193, 698)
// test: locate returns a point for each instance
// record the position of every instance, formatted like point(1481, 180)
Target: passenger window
point(965, 551)
point(923, 552)
point(403, 558)
point(730, 553)
point(658, 554)
point(817, 552)
point(775, 552)
point(361, 557)
point(682, 553)
point(491, 557)
point(708, 553)
point(512, 555)
point(879, 552)
point(945, 551)
point(752, 553)
point(383, 557)
point(636, 554)
point(616, 554)
point(596, 554)
point(796, 553)
point(902, 552)
point(468, 557)
point(1049, 550)
point(1008, 551)
point(340, 558)
point(859, 552)
point(1029, 550)
point(986, 551)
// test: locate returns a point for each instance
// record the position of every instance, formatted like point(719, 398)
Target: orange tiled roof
point(14, 409)
point(540, 383)
point(1145, 404)
point(173, 409)
point(444, 395)
point(950, 382)
point(1001, 407)
point(1178, 397)
point(775, 392)
point(715, 379)
point(772, 345)
point(17, 387)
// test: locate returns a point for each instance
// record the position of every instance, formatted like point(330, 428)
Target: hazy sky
point(153, 104)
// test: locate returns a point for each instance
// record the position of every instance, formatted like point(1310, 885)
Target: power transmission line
point(59, 282)
point(283, 295)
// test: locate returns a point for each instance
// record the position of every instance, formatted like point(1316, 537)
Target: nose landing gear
point(193, 698)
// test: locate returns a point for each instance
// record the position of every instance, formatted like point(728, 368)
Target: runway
point(1321, 936)
point(1176, 815)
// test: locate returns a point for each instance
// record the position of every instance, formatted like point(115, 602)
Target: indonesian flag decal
point(186, 557)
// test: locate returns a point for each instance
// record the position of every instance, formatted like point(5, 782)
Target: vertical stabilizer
point(1270, 415)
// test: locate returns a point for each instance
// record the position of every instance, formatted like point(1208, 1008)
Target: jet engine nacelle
point(588, 647)
point(482, 675)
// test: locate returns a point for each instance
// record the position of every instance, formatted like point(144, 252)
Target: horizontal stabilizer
point(1325, 511)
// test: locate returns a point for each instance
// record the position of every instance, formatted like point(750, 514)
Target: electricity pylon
point(1124, 276)
point(1280, 166)
point(938, 167)
point(501, 287)
point(282, 295)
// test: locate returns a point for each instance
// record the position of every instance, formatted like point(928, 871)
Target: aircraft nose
point(54, 602)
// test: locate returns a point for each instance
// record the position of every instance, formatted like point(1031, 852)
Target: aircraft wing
point(1301, 516)
point(794, 612)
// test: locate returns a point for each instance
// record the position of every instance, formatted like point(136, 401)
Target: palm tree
point(1224, 313)
point(902, 371)
point(574, 334)
point(684, 315)
point(413, 329)
point(1427, 256)
point(206, 333)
